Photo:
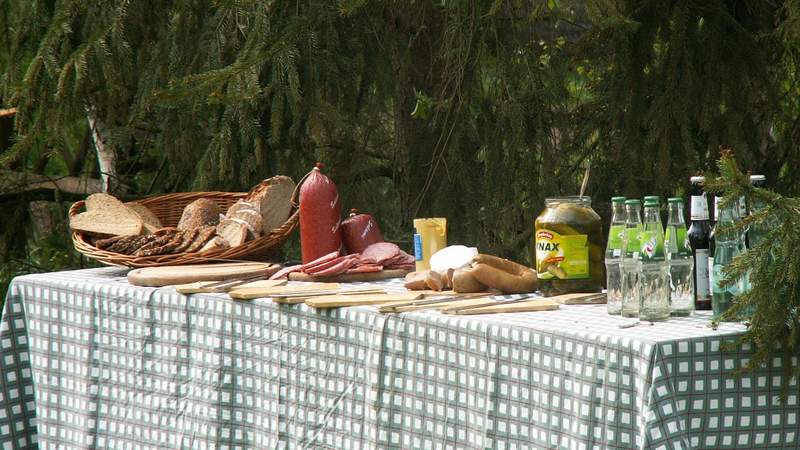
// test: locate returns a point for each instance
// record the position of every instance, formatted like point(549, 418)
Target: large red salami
point(359, 231)
point(320, 213)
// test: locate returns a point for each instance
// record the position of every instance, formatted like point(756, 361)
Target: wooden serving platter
point(171, 275)
point(350, 277)
point(204, 287)
point(537, 304)
point(250, 293)
point(339, 301)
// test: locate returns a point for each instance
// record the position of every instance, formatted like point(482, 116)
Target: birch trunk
point(106, 159)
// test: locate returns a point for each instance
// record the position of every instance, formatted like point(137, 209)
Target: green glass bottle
point(679, 259)
point(653, 268)
point(630, 258)
point(613, 257)
point(727, 247)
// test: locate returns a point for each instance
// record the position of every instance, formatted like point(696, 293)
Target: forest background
point(471, 110)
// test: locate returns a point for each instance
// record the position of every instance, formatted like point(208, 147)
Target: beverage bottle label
point(633, 247)
point(699, 207)
point(702, 274)
point(676, 241)
point(651, 249)
point(615, 236)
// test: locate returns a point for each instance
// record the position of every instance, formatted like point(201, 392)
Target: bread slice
point(201, 212)
point(204, 235)
point(273, 197)
point(216, 243)
point(151, 222)
point(234, 231)
point(240, 205)
point(251, 219)
point(102, 202)
point(106, 216)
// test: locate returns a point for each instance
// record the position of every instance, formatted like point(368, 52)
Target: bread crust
point(273, 198)
point(200, 212)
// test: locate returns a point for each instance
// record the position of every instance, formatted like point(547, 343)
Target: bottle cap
point(697, 179)
point(652, 198)
point(633, 201)
point(617, 199)
point(675, 200)
point(651, 202)
point(757, 178)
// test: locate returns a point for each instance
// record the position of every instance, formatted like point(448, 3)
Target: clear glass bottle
point(756, 233)
point(630, 258)
point(679, 260)
point(613, 256)
point(712, 235)
point(653, 269)
point(727, 247)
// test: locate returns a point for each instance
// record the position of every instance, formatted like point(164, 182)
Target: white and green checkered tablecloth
point(89, 361)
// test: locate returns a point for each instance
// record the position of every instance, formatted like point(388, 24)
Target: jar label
point(564, 257)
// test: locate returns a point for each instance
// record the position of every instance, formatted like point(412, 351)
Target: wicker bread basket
point(168, 208)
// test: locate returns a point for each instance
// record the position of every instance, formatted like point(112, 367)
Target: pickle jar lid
point(675, 200)
point(573, 199)
point(617, 199)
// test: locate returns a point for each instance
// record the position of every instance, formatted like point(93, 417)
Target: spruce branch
point(772, 267)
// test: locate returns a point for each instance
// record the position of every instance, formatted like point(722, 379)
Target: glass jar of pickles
point(568, 247)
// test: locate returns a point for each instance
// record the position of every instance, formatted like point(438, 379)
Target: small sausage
point(415, 281)
point(506, 282)
point(464, 282)
point(435, 281)
point(501, 263)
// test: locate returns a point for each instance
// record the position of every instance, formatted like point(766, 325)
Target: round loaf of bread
point(199, 213)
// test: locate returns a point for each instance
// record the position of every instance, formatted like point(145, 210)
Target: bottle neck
point(675, 216)
point(726, 215)
point(651, 215)
point(618, 214)
point(634, 216)
point(724, 224)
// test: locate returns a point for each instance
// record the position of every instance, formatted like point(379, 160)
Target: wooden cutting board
point(536, 304)
point(339, 301)
point(580, 299)
point(350, 277)
point(456, 304)
point(249, 293)
point(202, 287)
point(170, 275)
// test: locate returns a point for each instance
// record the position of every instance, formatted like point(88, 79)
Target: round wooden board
point(350, 277)
point(171, 275)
